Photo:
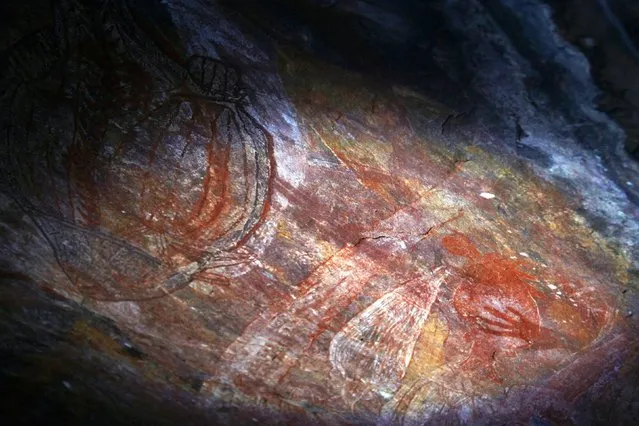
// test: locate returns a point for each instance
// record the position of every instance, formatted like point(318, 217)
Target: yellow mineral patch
point(325, 249)
point(428, 353)
point(95, 337)
point(282, 230)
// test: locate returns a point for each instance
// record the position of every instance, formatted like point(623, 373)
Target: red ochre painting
point(366, 268)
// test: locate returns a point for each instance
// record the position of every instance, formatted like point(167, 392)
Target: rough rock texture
point(359, 212)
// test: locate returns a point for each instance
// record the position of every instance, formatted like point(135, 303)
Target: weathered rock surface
point(359, 212)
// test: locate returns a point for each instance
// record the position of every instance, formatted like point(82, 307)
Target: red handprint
point(497, 301)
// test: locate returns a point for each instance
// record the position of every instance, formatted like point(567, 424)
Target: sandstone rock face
point(358, 212)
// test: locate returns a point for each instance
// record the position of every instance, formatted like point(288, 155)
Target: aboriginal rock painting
point(495, 310)
point(426, 307)
point(140, 164)
point(382, 281)
point(506, 321)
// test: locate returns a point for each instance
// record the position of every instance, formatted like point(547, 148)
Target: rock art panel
point(404, 273)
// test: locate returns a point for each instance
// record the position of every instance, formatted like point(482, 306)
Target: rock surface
point(358, 212)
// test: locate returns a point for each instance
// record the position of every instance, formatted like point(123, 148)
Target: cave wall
point(319, 211)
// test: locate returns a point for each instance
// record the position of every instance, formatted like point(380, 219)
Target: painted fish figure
point(376, 346)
